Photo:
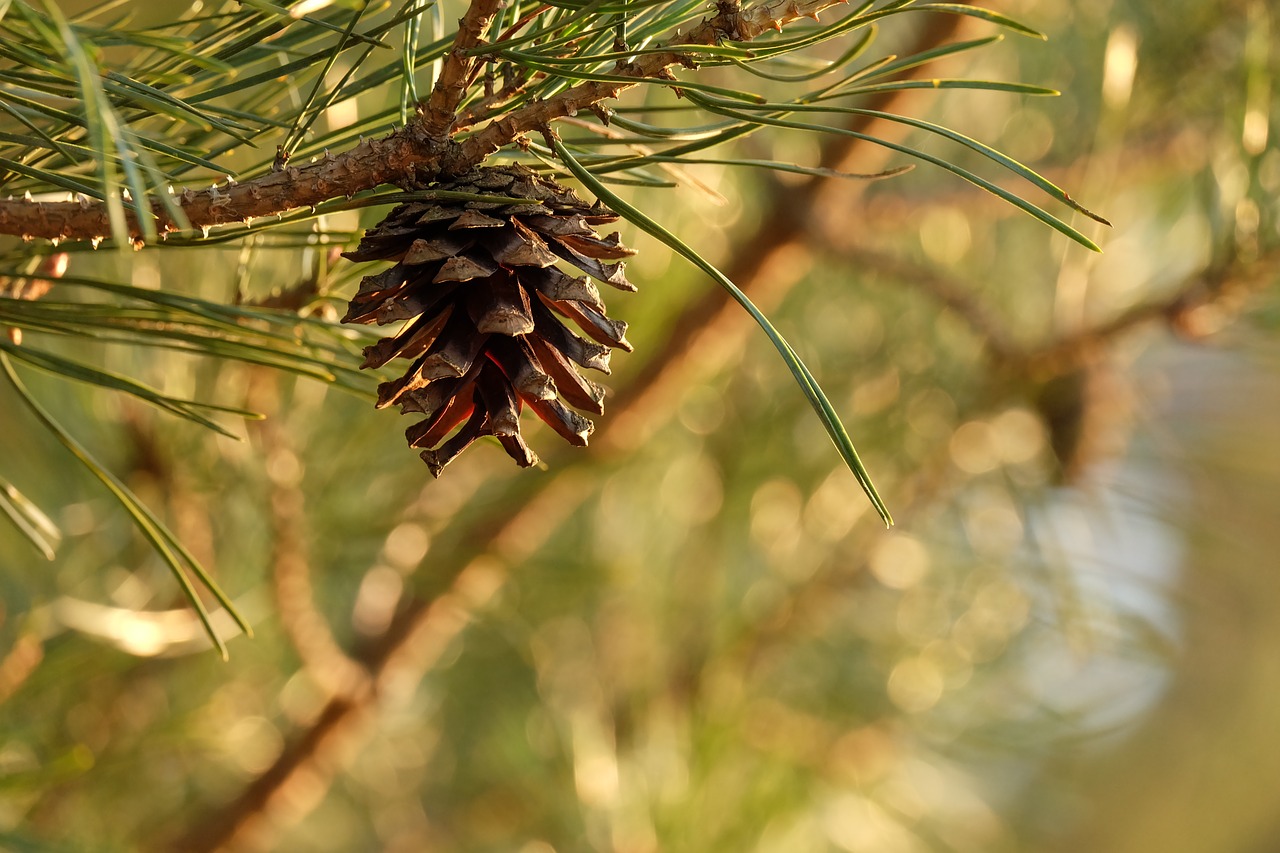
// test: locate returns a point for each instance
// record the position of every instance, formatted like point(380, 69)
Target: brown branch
point(410, 156)
point(308, 632)
point(440, 110)
point(399, 158)
point(302, 766)
point(19, 662)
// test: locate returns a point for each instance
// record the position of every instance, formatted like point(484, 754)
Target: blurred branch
point(16, 666)
point(308, 632)
point(145, 633)
point(955, 294)
point(701, 340)
point(306, 763)
point(1201, 305)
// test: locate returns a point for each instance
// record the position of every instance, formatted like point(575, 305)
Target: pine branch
point(411, 156)
point(440, 111)
point(394, 159)
point(727, 23)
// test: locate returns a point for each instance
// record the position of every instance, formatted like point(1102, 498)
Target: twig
point(490, 105)
point(741, 27)
point(953, 293)
point(440, 110)
point(1219, 291)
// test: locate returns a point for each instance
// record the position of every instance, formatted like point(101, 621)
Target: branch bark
point(398, 158)
point(19, 662)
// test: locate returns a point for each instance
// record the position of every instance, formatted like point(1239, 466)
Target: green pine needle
point(808, 384)
point(36, 527)
point(179, 560)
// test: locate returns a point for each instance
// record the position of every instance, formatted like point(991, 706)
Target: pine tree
point(271, 219)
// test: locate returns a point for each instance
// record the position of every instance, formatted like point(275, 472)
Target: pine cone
point(479, 284)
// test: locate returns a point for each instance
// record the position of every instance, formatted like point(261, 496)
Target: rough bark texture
point(440, 110)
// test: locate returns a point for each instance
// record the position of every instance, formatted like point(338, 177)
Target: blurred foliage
point(696, 636)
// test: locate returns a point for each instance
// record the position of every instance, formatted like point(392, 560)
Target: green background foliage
point(695, 634)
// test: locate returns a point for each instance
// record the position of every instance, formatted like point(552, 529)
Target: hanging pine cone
point(479, 284)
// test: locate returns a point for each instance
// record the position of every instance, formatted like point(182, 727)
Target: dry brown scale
point(480, 286)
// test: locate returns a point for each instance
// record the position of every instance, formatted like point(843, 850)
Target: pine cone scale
point(558, 226)
point(502, 308)
point(579, 391)
point(423, 251)
point(608, 273)
point(519, 246)
point(415, 340)
point(475, 219)
point(465, 267)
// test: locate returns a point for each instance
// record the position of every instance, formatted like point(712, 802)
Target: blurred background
point(695, 635)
